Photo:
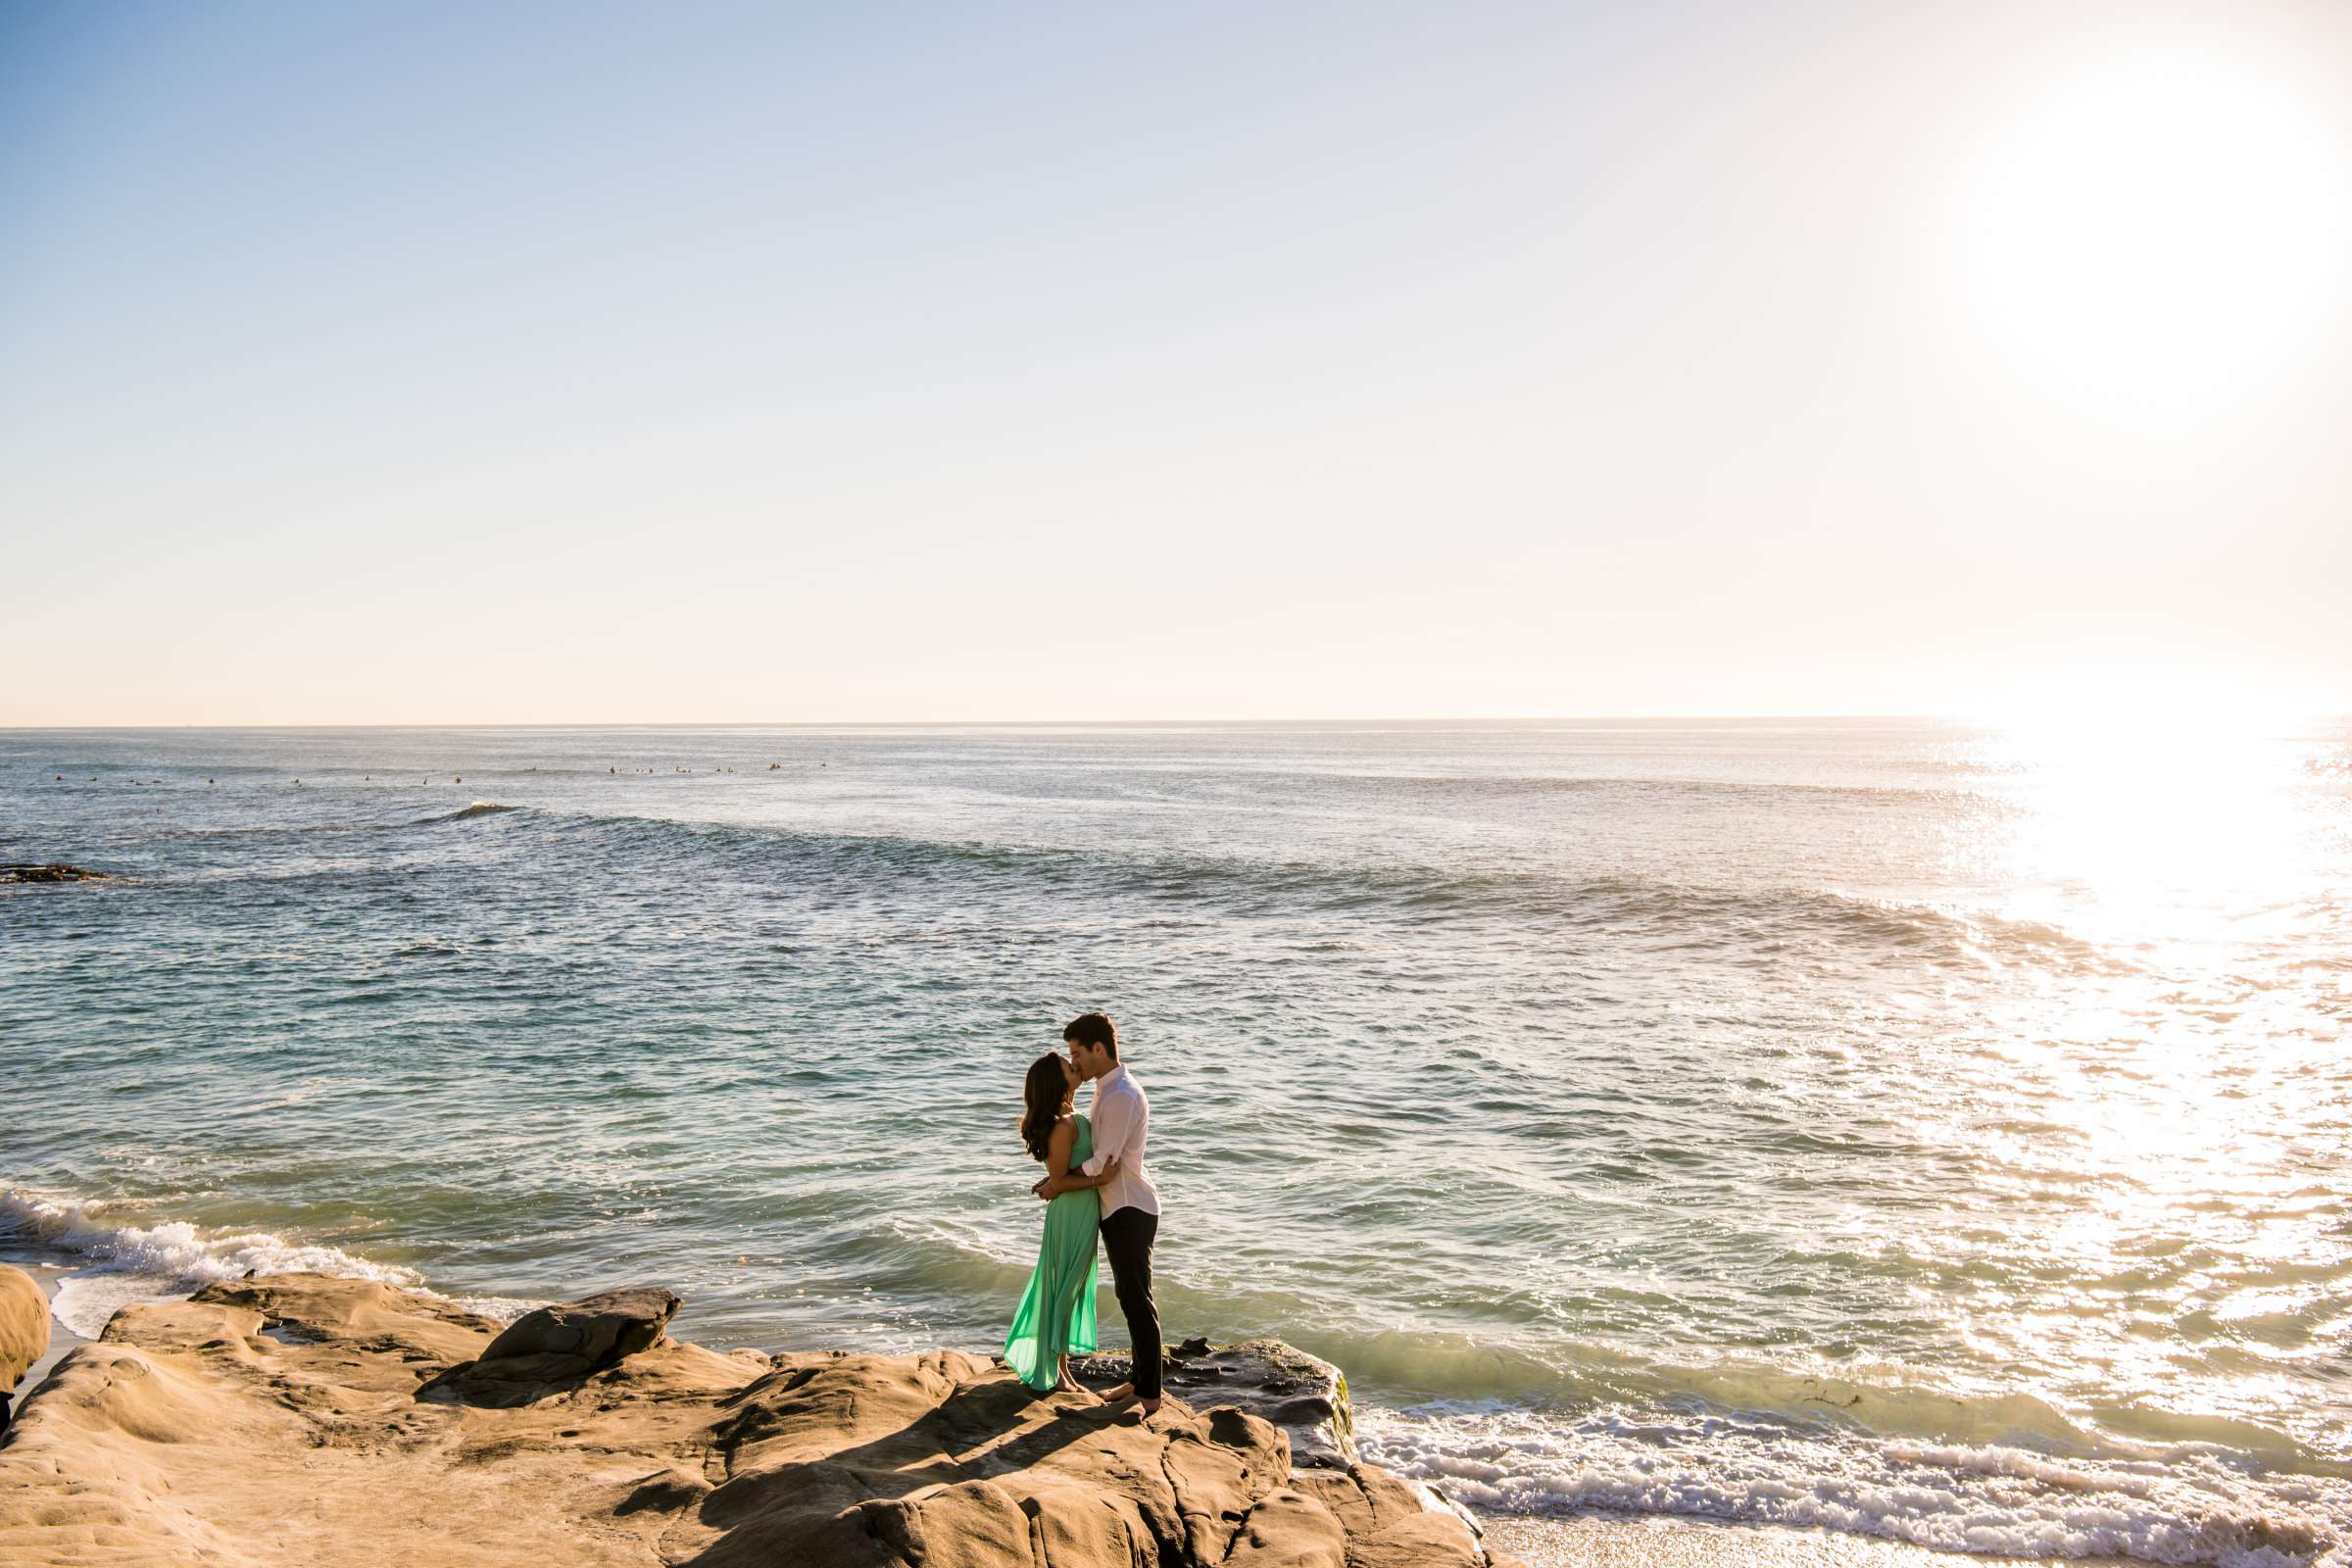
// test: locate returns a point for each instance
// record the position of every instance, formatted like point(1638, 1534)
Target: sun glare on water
point(2162, 1092)
point(2152, 819)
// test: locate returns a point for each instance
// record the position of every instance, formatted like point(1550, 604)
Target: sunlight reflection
point(2150, 832)
point(2145, 1126)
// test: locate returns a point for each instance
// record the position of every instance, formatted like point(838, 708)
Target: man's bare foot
point(1119, 1401)
point(1114, 1402)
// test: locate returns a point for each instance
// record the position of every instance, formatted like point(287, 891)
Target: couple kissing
point(1095, 1183)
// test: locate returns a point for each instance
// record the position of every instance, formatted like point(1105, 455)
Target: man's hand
point(1038, 1188)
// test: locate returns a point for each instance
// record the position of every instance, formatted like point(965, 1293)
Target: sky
point(701, 362)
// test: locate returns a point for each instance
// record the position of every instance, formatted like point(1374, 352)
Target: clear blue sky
point(383, 364)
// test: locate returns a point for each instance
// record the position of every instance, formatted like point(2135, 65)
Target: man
point(1122, 1120)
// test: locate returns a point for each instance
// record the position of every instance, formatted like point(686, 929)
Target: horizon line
point(1946, 716)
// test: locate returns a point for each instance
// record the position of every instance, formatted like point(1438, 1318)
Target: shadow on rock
point(960, 1462)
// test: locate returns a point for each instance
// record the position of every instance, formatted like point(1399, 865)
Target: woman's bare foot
point(1072, 1386)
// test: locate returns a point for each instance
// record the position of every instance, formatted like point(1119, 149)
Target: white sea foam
point(504, 1308)
point(122, 1263)
point(2187, 1509)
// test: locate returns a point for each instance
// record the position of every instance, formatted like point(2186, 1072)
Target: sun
point(2156, 232)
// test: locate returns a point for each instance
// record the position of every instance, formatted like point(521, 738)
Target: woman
point(1056, 1316)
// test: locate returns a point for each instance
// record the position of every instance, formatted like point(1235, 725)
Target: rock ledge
point(298, 1419)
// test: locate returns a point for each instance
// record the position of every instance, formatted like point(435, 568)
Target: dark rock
point(54, 871)
point(558, 1346)
point(1301, 1394)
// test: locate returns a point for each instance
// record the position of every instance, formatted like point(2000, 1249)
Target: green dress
point(1057, 1313)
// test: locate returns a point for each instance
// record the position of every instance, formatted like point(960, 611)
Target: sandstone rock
point(1366, 1499)
point(667, 1490)
point(296, 1420)
point(1391, 1523)
point(24, 1330)
point(24, 1324)
point(972, 1524)
point(1425, 1540)
point(1288, 1530)
point(558, 1345)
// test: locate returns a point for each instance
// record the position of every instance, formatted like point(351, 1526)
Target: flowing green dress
point(1057, 1313)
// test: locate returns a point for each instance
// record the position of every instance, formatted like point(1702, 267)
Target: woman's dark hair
point(1046, 1095)
point(1093, 1029)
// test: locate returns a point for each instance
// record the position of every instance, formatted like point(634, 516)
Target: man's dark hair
point(1093, 1029)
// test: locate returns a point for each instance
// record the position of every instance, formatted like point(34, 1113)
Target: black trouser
point(1127, 1237)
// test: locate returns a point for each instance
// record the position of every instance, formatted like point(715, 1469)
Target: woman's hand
point(1048, 1186)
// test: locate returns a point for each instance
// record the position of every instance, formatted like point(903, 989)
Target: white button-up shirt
point(1122, 1122)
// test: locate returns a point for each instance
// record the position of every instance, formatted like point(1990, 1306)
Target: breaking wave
point(1992, 1498)
point(464, 813)
point(120, 1265)
point(1749, 922)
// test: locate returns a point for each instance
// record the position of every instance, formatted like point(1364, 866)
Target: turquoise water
point(1925, 1131)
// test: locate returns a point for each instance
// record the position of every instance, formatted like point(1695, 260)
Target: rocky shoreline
point(299, 1418)
point(53, 871)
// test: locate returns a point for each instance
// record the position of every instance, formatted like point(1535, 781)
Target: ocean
point(1923, 1131)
